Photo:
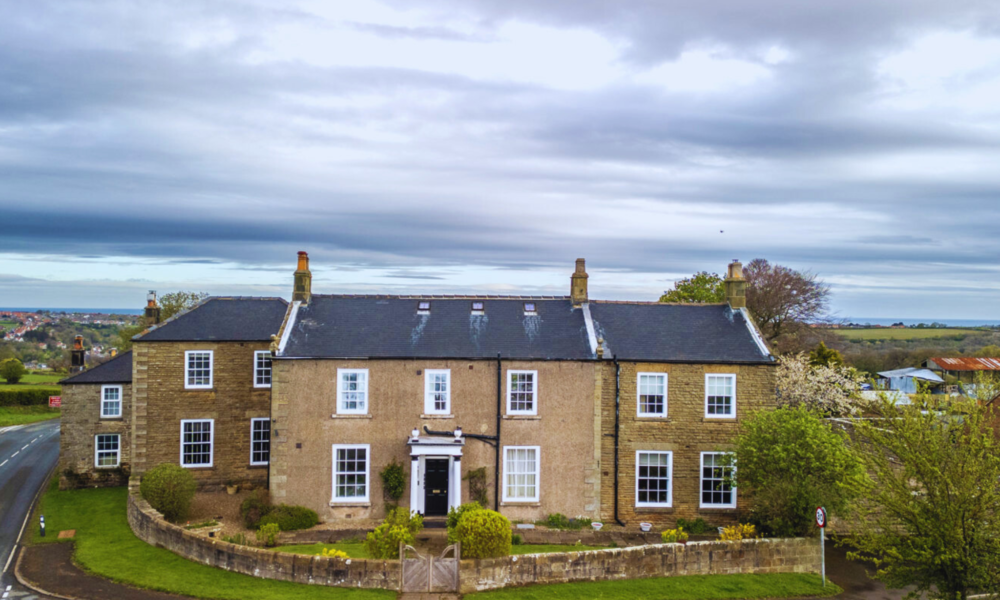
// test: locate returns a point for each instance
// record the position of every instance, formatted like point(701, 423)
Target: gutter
point(618, 372)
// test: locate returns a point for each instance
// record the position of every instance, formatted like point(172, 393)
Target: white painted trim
point(666, 395)
point(340, 395)
point(716, 416)
point(288, 327)
point(701, 481)
point(368, 478)
point(538, 474)
point(211, 369)
point(755, 333)
point(211, 444)
point(260, 463)
point(429, 395)
point(255, 384)
point(670, 479)
point(534, 392)
point(591, 332)
point(118, 452)
point(120, 402)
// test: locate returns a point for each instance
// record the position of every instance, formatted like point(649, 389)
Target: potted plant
point(597, 526)
point(232, 487)
point(645, 526)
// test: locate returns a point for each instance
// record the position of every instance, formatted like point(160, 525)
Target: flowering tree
point(833, 390)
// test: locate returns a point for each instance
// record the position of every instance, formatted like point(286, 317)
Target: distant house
point(963, 369)
point(910, 380)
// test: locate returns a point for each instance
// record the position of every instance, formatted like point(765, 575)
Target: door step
point(435, 522)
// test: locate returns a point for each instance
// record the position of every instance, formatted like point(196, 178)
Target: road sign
point(821, 523)
point(55, 401)
point(821, 517)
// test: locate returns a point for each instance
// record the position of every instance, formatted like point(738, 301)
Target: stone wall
point(664, 560)
point(81, 422)
point(685, 431)
point(149, 526)
point(161, 402)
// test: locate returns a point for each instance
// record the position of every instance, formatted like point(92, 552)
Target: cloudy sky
point(482, 145)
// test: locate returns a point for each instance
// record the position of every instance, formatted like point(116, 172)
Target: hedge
point(290, 518)
point(27, 396)
point(484, 534)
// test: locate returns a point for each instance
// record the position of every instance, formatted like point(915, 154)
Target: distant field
point(52, 389)
point(43, 378)
point(8, 324)
point(901, 334)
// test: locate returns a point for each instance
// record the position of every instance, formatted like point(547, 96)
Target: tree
point(125, 335)
point(782, 299)
point(830, 390)
point(702, 287)
point(12, 370)
point(789, 461)
point(177, 302)
point(933, 509)
point(822, 356)
point(991, 351)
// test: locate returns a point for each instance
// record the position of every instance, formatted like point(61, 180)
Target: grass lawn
point(105, 546)
point(43, 377)
point(902, 334)
point(690, 587)
point(546, 548)
point(53, 390)
point(22, 415)
point(353, 549)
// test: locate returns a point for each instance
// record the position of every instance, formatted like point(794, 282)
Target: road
point(27, 456)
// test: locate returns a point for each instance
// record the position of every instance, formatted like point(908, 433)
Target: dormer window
point(529, 308)
point(478, 308)
point(424, 307)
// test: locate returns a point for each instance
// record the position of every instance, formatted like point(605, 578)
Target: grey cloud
point(419, 33)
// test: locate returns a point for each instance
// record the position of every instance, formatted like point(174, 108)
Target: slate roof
point(389, 327)
point(223, 319)
point(116, 370)
point(333, 326)
point(659, 332)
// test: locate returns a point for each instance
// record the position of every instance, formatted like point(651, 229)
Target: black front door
point(436, 487)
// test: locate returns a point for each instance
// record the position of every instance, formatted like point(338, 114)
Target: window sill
point(112, 419)
point(718, 419)
point(198, 467)
point(199, 389)
point(437, 416)
point(261, 387)
point(259, 465)
point(335, 504)
point(521, 418)
point(716, 508)
point(106, 468)
point(350, 416)
point(657, 418)
point(530, 503)
point(653, 509)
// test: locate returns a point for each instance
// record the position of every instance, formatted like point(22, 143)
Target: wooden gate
point(427, 573)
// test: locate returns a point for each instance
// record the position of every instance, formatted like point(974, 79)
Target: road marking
point(4, 462)
point(24, 446)
point(15, 454)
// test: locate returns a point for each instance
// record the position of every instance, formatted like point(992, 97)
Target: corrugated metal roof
point(967, 364)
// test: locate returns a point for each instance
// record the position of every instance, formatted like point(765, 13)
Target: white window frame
point(105, 401)
point(340, 392)
point(97, 451)
point(732, 377)
point(334, 499)
point(211, 444)
point(670, 479)
point(537, 474)
point(257, 369)
point(429, 393)
point(701, 483)
point(253, 422)
point(187, 367)
point(638, 395)
point(534, 393)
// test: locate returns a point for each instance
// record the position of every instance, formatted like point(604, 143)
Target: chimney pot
point(152, 314)
point(302, 289)
point(77, 355)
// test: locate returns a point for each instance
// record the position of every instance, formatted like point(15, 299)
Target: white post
point(822, 552)
point(414, 485)
point(455, 481)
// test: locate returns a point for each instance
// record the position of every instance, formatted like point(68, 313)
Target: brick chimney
point(578, 283)
point(77, 355)
point(303, 280)
point(152, 314)
point(736, 286)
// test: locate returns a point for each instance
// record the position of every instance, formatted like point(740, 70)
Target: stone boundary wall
point(150, 526)
point(797, 555)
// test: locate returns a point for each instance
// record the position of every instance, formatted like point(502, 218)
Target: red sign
point(55, 401)
point(821, 517)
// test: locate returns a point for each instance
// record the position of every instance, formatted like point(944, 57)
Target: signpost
point(821, 523)
point(55, 401)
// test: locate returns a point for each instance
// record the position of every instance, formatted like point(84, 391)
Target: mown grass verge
point(22, 415)
point(105, 546)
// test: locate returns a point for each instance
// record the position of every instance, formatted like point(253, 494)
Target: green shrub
point(28, 396)
point(169, 489)
point(478, 487)
point(393, 481)
point(484, 534)
point(399, 527)
point(696, 527)
point(267, 535)
point(240, 539)
point(515, 540)
point(455, 514)
point(674, 536)
point(12, 370)
point(561, 521)
point(290, 518)
point(254, 508)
